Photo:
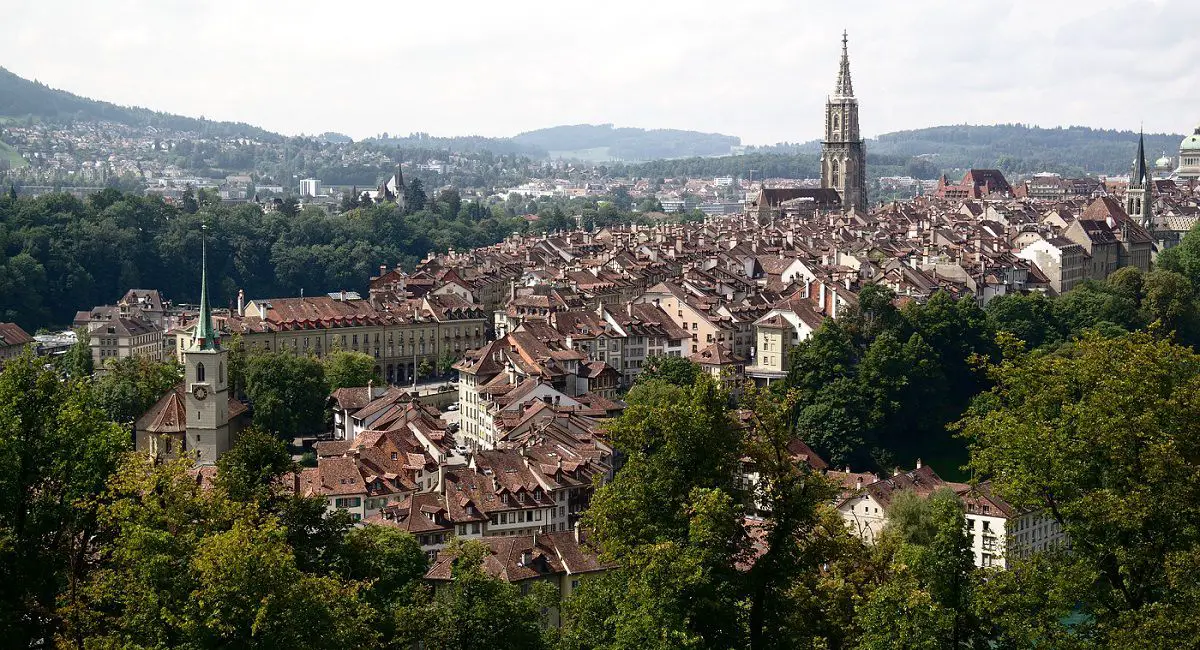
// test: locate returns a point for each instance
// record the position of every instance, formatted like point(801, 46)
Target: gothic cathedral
point(843, 156)
point(205, 365)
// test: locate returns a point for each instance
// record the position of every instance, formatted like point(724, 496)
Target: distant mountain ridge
point(20, 97)
point(1014, 148)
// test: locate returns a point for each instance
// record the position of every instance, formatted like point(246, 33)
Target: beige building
point(1064, 262)
point(401, 336)
point(120, 337)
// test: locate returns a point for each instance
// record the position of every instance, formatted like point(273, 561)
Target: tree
point(250, 470)
point(77, 362)
point(673, 370)
point(129, 386)
point(453, 201)
point(414, 196)
point(347, 369)
point(290, 207)
point(1170, 300)
point(187, 567)
point(389, 560)
point(287, 393)
point(57, 449)
point(1097, 437)
point(475, 610)
point(424, 369)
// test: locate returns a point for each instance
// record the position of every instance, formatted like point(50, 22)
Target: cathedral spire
point(206, 335)
point(844, 87)
point(1141, 173)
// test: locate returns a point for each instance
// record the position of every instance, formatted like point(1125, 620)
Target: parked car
point(452, 407)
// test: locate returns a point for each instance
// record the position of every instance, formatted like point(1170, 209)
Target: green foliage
point(77, 362)
point(389, 560)
point(60, 253)
point(1101, 436)
point(287, 392)
point(348, 369)
point(475, 610)
point(672, 370)
point(129, 386)
point(674, 439)
point(249, 471)
point(56, 451)
point(882, 383)
point(186, 567)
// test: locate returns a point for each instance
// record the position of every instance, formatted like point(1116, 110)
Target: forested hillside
point(59, 254)
point(925, 153)
point(604, 141)
point(23, 98)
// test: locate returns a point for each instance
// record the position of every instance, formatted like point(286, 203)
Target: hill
point(603, 142)
point(1015, 149)
point(23, 98)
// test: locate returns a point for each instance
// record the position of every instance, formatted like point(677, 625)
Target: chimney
point(370, 389)
point(535, 537)
point(441, 484)
point(241, 304)
point(896, 471)
point(858, 484)
point(382, 270)
point(526, 556)
point(918, 463)
point(576, 531)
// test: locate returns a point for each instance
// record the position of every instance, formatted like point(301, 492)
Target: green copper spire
point(206, 335)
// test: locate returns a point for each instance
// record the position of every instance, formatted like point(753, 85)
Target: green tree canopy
point(347, 369)
point(287, 392)
point(1101, 437)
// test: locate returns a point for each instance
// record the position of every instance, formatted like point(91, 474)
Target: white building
point(310, 188)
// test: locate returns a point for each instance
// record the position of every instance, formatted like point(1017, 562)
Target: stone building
point(843, 153)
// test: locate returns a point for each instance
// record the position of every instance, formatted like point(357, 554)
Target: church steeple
point(1141, 172)
point(1139, 195)
point(843, 152)
point(206, 337)
point(844, 86)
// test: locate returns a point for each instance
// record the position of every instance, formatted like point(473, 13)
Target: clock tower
point(206, 365)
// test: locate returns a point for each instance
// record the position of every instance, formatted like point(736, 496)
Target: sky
point(760, 70)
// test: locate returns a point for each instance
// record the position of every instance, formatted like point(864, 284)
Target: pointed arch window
point(837, 122)
point(836, 173)
point(199, 372)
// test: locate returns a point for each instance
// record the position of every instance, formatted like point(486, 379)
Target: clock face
point(200, 392)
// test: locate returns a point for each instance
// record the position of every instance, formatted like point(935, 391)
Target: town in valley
point(654, 406)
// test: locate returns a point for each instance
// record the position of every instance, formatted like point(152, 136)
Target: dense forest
point(61, 254)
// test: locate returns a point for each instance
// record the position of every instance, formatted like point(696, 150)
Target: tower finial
point(844, 87)
point(206, 337)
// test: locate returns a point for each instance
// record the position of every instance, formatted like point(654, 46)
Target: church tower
point(1139, 198)
point(843, 155)
point(205, 366)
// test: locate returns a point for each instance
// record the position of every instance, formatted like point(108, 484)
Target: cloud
point(760, 70)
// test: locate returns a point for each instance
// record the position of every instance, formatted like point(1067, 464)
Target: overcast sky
point(758, 70)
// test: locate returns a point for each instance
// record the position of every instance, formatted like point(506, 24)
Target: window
point(199, 372)
point(221, 372)
point(835, 172)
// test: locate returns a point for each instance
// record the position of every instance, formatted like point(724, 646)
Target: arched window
point(221, 373)
point(199, 372)
point(836, 122)
point(836, 175)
